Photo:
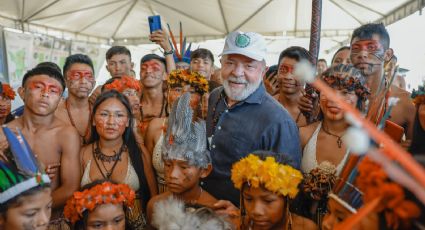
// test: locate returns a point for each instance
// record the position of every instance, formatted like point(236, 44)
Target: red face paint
point(44, 88)
point(80, 74)
point(370, 46)
point(285, 69)
point(152, 66)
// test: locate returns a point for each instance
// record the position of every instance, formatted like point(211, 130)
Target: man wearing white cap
point(242, 116)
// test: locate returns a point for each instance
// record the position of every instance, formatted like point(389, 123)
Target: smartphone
point(154, 23)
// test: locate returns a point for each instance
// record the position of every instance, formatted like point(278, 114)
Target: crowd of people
point(193, 146)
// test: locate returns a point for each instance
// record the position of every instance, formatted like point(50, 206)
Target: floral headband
point(8, 91)
point(125, 82)
point(374, 182)
point(184, 77)
point(418, 96)
point(346, 77)
point(275, 177)
point(89, 199)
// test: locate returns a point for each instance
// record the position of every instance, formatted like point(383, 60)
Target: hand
point(306, 102)
point(161, 38)
point(272, 84)
point(52, 169)
point(226, 208)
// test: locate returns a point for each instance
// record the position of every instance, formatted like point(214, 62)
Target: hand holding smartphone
point(154, 23)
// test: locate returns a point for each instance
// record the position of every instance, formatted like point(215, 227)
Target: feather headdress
point(23, 173)
point(186, 140)
point(171, 214)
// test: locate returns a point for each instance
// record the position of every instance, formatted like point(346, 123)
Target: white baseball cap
point(249, 44)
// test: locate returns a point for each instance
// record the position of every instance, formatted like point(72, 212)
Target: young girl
point(25, 194)
point(322, 141)
point(6, 98)
point(100, 205)
point(267, 183)
point(179, 82)
point(185, 156)
point(114, 154)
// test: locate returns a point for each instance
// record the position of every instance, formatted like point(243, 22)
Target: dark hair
point(322, 60)
point(45, 70)
point(417, 146)
point(49, 64)
point(117, 50)
point(77, 58)
point(17, 200)
point(296, 52)
point(149, 57)
point(368, 30)
point(203, 54)
point(81, 224)
point(129, 139)
point(339, 50)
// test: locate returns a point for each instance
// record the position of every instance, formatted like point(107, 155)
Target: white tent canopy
point(126, 20)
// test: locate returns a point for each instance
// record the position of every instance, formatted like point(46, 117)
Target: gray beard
point(242, 95)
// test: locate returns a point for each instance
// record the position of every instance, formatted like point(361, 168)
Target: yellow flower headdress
point(184, 77)
point(275, 177)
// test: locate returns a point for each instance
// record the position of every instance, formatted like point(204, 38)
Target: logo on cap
point(242, 40)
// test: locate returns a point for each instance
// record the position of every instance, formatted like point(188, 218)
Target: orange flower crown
point(89, 199)
point(374, 182)
point(275, 177)
point(125, 82)
point(184, 77)
point(8, 91)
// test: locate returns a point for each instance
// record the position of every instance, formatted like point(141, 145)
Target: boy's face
point(119, 65)
point(31, 212)
point(41, 94)
point(368, 55)
point(265, 209)
point(180, 176)
point(80, 80)
point(204, 66)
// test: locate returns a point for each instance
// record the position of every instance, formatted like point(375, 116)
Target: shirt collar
point(257, 96)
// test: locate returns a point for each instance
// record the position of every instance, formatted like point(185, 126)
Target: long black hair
point(135, 153)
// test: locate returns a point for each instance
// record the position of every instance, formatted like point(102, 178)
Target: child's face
point(107, 216)
point(337, 213)
point(265, 209)
point(29, 212)
point(180, 176)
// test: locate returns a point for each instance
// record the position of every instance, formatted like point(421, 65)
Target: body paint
point(45, 88)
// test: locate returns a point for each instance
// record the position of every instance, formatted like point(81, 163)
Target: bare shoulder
point(155, 124)
point(207, 199)
point(299, 222)
point(159, 197)
point(306, 132)
point(85, 152)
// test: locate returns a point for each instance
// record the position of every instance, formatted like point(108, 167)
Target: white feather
point(356, 140)
point(305, 71)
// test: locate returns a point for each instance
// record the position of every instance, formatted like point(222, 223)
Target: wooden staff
point(315, 28)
